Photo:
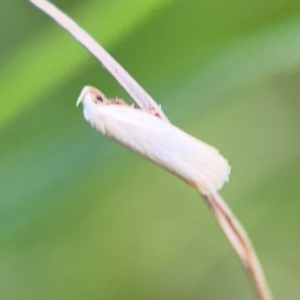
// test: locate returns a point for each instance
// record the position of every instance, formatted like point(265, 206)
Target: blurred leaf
point(83, 218)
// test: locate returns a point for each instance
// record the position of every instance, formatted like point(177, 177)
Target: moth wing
point(192, 160)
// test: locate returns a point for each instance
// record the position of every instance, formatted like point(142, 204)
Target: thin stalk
point(241, 243)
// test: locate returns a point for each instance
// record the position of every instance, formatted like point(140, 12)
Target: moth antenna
point(84, 91)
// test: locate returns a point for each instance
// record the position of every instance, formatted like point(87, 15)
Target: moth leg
point(151, 111)
point(118, 101)
point(154, 111)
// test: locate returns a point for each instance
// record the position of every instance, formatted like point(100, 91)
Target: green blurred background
point(82, 217)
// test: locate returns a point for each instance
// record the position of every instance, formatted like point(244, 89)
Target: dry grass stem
point(240, 242)
point(228, 222)
point(140, 96)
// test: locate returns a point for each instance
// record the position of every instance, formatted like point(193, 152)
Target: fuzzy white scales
point(197, 163)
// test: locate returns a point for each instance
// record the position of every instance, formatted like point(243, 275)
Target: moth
point(197, 163)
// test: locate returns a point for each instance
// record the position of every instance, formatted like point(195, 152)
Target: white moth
point(197, 163)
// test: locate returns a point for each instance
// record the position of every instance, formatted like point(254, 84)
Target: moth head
point(91, 93)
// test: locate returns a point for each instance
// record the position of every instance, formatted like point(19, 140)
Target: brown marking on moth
point(154, 113)
point(100, 97)
point(118, 101)
point(97, 97)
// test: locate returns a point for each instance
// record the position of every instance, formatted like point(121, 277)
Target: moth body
point(195, 162)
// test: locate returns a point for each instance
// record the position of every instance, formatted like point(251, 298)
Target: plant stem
point(240, 241)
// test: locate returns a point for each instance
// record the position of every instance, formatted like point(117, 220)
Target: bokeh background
point(84, 218)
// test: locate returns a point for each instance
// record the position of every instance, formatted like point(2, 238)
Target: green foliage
point(83, 218)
